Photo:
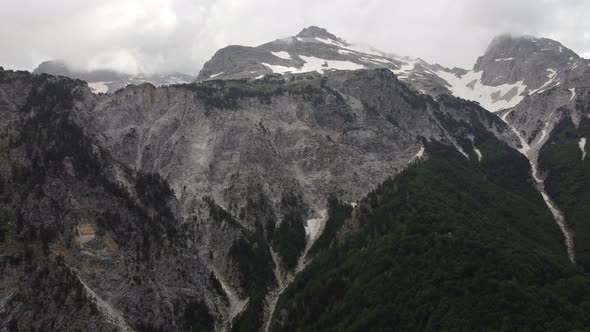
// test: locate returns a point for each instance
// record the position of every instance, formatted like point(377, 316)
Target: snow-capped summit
point(314, 49)
point(512, 67)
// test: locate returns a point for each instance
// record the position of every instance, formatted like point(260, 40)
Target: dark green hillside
point(568, 181)
point(442, 247)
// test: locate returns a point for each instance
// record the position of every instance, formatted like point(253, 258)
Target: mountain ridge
point(511, 68)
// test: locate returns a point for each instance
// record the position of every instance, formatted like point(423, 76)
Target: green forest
point(568, 181)
point(444, 246)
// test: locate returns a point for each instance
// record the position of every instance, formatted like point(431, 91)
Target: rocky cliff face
point(511, 59)
point(86, 241)
point(246, 162)
point(342, 133)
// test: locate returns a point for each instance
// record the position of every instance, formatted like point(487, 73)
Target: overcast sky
point(180, 35)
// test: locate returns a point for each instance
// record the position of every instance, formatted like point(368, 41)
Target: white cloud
point(180, 35)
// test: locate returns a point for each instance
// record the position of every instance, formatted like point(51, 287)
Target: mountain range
point(306, 184)
point(109, 81)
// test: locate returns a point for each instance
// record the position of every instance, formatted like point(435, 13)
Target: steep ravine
point(531, 152)
point(236, 305)
point(313, 231)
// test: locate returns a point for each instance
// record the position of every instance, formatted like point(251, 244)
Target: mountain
point(511, 59)
point(239, 158)
point(271, 151)
point(316, 50)
point(511, 68)
point(304, 184)
point(530, 82)
point(108, 81)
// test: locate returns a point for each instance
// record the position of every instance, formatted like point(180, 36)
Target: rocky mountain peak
point(511, 59)
point(317, 32)
point(55, 67)
point(506, 47)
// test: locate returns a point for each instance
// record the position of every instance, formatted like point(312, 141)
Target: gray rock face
point(343, 133)
point(242, 157)
point(87, 242)
point(108, 81)
point(314, 31)
point(511, 59)
point(554, 76)
point(306, 136)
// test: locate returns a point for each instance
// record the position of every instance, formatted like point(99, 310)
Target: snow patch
point(492, 98)
point(313, 226)
point(329, 41)
point(345, 52)
point(478, 153)
point(215, 75)
point(259, 77)
point(277, 69)
point(582, 145)
point(462, 152)
point(573, 91)
point(550, 79)
point(313, 229)
point(406, 68)
point(99, 87)
point(315, 64)
point(418, 155)
point(377, 61)
point(282, 55)
point(505, 59)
